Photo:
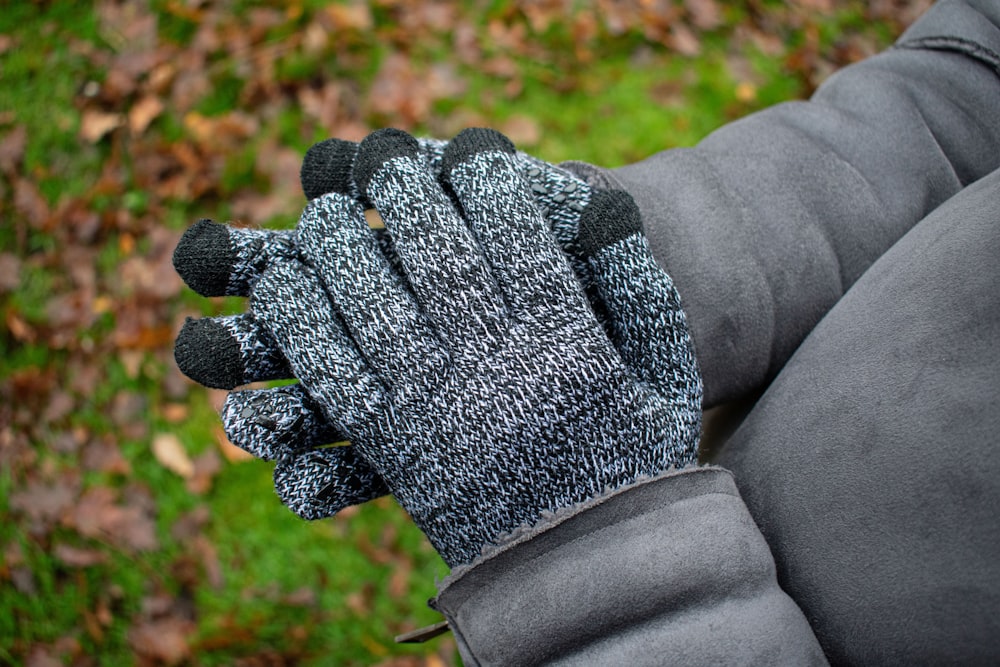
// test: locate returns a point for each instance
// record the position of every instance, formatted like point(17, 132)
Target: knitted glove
point(218, 260)
point(283, 423)
point(478, 384)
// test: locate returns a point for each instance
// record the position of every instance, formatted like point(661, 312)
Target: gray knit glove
point(476, 382)
point(284, 424)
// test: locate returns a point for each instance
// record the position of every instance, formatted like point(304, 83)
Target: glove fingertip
point(609, 217)
point(207, 352)
point(378, 148)
point(472, 141)
point(327, 167)
point(204, 258)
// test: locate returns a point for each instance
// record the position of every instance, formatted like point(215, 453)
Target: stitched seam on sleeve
point(956, 44)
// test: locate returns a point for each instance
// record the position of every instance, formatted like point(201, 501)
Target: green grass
point(370, 572)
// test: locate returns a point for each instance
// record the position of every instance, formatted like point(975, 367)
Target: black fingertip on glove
point(470, 142)
point(327, 167)
point(378, 148)
point(610, 216)
point(204, 258)
point(208, 353)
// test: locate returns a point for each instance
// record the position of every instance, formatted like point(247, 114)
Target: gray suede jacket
point(839, 261)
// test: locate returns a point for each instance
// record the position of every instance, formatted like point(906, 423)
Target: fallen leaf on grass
point(190, 525)
point(349, 17)
point(143, 113)
point(705, 14)
point(95, 124)
point(44, 502)
point(684, 41)
point(97, 516)
point(170, 453)
point(12, 148)
point(175, 412)
point(205, 468)
point(103, 455)
point(41, 656)
point(78, 557)
point(10, 272)
point(209, 556)
point(164, 639)
point(522, 130)
point(29, 202)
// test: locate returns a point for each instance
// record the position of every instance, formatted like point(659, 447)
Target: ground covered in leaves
point(131, 531)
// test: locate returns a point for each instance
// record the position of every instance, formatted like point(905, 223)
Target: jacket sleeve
point(668, 571)
point(768, 221)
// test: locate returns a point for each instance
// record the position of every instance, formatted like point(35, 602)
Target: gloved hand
point(283, 423)
point(477, 381)
point(218, 260)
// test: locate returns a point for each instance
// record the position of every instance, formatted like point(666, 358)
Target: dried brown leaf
point(226, 130)
point(301, 597)
point(143, 113)
point(190, 525)
point(97, 515)
point(164, 640)
point(205, 467)
point(104, 455)
point(12, 149)
point(71, 310)
point(684, 41)
point(78, 557)
point(315, 38)
point(354, 16)
point(129, 411)
point(29, 202)
point(152, 274)
point(129, 26)
point(94, 124)
point(10, 272)
point(209, 556)
point(705, 14)
point(522, 130)
point(60, 404)
point(45, 502)
point(170, 453)
point(42, 656)
point(174, 412)
point(322, 104)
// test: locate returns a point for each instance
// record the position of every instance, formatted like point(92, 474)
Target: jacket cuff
point(671, 569)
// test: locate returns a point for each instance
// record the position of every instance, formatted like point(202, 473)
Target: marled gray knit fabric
point(288, 430)
point(225, 352)
point(482, 390)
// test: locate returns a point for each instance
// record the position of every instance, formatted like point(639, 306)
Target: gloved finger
point(533, 273)
point(226, 352)
point(442, 261)
point(292, 304)
point(220, 260)
point(273, 423)
point(380, 313)
point(327, 167)
point(648, 325)
point(560, 195)
point(317, 484)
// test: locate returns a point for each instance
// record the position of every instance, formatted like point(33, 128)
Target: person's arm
point(668, 571)
point(768, 221)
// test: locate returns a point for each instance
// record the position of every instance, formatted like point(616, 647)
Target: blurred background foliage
point(132, 532)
